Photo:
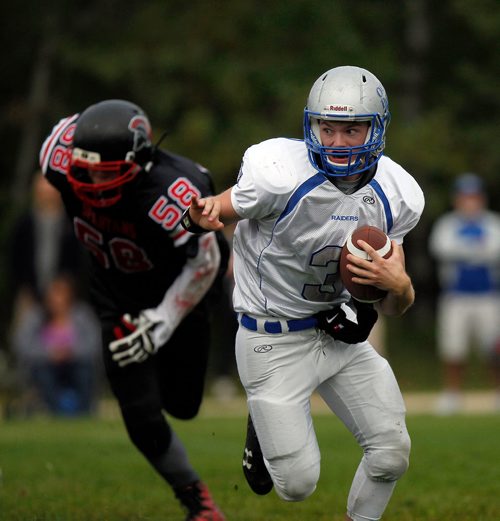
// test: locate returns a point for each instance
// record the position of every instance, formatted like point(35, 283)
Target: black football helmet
point(111, 145)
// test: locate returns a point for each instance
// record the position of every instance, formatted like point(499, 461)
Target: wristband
point(189, 225)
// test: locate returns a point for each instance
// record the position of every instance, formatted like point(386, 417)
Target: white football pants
point(281, 371)
point(464, 320)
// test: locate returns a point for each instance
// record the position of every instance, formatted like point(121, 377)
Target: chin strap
point(149, 165)
point(162, 137)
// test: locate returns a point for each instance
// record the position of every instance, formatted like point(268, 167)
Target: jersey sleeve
point(187, 290)
point(265, 181)
point(408, 203)
point(174, 182)
point(54, 154)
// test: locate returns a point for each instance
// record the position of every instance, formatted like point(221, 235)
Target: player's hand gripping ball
point(378, 240)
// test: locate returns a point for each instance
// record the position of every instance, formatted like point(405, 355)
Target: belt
point(277, 326)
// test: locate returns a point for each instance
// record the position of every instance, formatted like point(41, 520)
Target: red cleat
point(197, 500)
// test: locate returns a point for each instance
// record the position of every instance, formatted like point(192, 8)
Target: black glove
point(336, 324)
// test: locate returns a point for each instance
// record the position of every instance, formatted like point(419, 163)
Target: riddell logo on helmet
point(338, 108)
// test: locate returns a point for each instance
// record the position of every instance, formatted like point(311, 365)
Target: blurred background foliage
point(219, 76)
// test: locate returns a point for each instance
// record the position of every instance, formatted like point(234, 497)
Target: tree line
point(219, 76)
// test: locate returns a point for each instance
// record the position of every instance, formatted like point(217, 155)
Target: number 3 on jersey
point(326, 258)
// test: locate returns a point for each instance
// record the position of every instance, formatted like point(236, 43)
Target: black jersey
point(137, 246)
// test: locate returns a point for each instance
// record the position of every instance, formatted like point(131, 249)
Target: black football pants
point(171, 381)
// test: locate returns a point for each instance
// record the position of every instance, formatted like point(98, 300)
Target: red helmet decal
point(139, 126)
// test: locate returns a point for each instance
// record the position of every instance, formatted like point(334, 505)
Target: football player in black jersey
point(149, 277)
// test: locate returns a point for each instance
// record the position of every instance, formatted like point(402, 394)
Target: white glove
point(163, 328)
point(138, 344)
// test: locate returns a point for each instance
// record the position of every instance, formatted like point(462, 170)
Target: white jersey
point(468, 252)
point(287, 248)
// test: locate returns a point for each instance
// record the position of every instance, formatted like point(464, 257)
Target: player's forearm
point(398, 299)
point(227, 213)
point(190, 286)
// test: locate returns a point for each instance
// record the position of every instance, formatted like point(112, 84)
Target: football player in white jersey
point(466, 245)
point(296, 202)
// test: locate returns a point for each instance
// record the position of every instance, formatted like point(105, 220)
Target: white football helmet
point(346, 94)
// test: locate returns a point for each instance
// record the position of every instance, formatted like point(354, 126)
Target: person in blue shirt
point(466, 245)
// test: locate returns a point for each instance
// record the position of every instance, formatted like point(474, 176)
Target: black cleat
point(254, 468)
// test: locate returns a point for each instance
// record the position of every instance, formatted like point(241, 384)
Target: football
point(378, 240)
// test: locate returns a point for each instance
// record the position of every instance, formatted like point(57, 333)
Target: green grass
point(86, 470)
point(412, 352)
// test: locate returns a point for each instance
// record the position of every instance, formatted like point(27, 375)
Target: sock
point(368, 498)
point(174, 465)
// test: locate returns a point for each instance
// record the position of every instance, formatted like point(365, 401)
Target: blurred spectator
point(466, 245)
point(56, 345)
point(42, 245)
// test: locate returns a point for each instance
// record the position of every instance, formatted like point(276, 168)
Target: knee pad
point(147, 428)
point(282, 428)
point(297, 483)
point(389, 463)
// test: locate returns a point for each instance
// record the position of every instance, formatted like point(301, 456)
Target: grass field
point(86, 470)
